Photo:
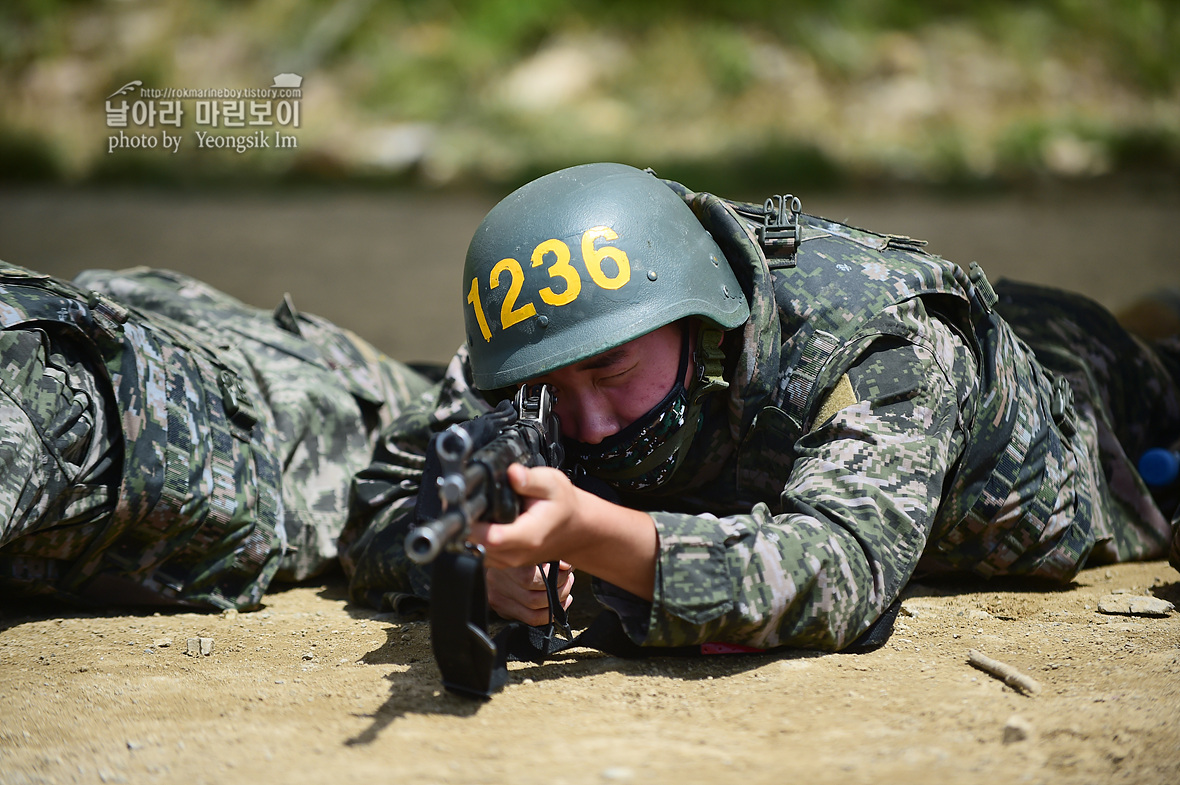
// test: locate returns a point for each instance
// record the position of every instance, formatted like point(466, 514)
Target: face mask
point(647, 452)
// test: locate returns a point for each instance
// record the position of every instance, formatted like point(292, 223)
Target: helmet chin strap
point(708, 363)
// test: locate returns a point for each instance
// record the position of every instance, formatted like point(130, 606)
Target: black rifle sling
point(519, 641)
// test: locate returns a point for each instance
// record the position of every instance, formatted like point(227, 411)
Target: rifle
point(473, 486)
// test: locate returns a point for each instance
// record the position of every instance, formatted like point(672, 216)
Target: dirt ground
point(310, 689)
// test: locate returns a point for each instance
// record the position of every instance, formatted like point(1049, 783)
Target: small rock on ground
point(1134, 605)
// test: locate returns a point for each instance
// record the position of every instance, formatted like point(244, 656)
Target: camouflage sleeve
point(851, 523)
point(381, 507)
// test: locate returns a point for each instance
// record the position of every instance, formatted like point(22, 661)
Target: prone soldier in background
point(163, 443)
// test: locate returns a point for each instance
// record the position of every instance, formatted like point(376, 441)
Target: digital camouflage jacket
point(881, 418)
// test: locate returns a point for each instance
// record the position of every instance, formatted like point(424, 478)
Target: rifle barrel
point(425, 542)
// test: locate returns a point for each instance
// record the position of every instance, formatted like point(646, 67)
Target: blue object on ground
point(1159, 467)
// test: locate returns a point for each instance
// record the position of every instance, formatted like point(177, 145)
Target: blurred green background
point(739, 96)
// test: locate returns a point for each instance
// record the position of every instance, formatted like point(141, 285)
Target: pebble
point(617, 773)
point(1016, 729)
point(1134, 605)
point(196, 647)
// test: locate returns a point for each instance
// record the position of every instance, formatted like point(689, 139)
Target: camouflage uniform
point(163, 442)
point(881, 418)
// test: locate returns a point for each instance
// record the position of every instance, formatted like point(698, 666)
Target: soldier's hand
point(543, 531)
point(519, 592)
point(560, 521)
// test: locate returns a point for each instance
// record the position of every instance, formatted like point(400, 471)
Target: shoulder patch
point(840, 397)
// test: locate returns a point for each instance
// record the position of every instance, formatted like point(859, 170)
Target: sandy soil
point(311, 689)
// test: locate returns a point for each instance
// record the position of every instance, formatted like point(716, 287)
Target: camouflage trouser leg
point(1126, 399)
point(59, 455)
point(324, 393)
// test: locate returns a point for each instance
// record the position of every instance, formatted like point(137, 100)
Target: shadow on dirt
point(1169, 592)
point(416, 688)
point(419, 690)
point(17, 610)
point(953, 585)
point(36, 609)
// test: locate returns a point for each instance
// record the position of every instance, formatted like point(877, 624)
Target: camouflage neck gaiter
point(646, 453)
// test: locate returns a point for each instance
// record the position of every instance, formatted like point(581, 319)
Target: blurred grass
point(748, 93)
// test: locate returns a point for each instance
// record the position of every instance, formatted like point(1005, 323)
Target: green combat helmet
point(583, 260)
